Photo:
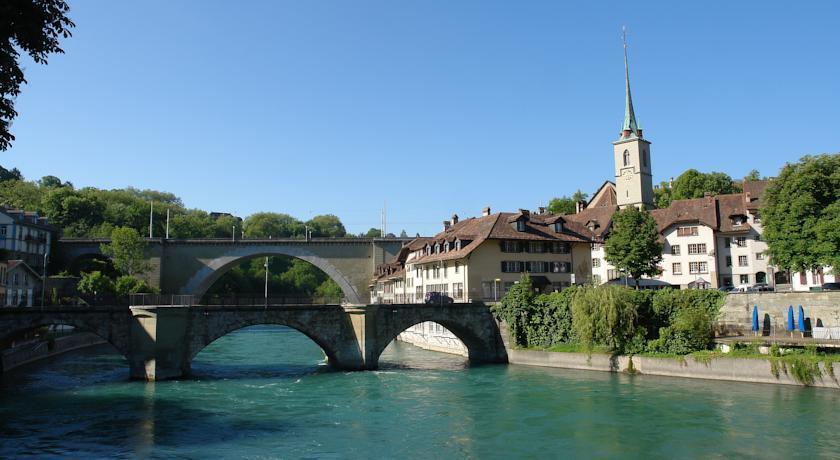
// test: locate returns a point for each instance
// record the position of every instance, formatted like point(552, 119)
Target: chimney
point(580, 206)
point(454, 219)
point(485, 211)
point(541, 210)
point(445, 225)
point(747, 197)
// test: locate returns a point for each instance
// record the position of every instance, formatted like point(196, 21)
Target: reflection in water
point(265, 392)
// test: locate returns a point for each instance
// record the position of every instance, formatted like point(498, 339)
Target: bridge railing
point(174, 300)
point(245, 300)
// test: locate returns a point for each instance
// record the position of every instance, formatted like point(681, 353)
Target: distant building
point(25, 236)
point(20, 283)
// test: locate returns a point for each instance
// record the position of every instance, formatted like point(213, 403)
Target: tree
point(126, 285)
point(12, 174)
point(633, 244)
point(326, 225)
point(95, 283)
point(662, 195)
point(694, 184)
point(579, 195)
point(754, 175)
point(126, 250)
point(562, 205)
point(373, 233)
point(274, 225)
point(604, 315)
point(801, 214)
point(35, 27)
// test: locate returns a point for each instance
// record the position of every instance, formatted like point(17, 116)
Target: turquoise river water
point(263, 392)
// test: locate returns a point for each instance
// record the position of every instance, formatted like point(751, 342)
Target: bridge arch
point(473, 325)
point(204, 277)
point(114, 333)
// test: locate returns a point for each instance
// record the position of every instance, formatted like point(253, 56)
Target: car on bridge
point(438, 298)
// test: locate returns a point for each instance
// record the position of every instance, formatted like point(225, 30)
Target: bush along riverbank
point(612, 325)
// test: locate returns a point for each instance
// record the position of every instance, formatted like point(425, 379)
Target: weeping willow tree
point(604, 315)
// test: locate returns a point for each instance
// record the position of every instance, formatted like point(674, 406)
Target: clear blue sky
point(313, 107)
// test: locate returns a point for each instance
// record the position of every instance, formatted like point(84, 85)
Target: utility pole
point(151, 216)
point(167, 223)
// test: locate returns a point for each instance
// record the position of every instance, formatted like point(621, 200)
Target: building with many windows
point(26, 236)
point(481, 258)
point(21, 285)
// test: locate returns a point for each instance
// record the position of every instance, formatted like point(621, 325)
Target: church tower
point(633, 179)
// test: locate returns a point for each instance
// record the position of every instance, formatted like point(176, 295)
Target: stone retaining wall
point(732, 369)
point(823, 307)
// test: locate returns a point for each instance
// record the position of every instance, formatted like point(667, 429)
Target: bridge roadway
point(160, 342)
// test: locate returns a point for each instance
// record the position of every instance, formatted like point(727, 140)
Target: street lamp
point(44, 278)
point(266, 281)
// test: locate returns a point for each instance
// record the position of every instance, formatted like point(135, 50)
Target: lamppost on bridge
point(266, 281)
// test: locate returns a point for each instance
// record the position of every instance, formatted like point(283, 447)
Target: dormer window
point(457, 245)
point(626, 158)
point(446, 247)
point(738, 220)
point(520, 225)
point(437, 248)
point(558, 227)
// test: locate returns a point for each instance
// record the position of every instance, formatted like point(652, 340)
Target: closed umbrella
point(755, 319)
point(790, 324)
point(801, 321)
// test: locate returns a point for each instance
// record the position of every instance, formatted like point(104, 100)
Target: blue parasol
point(790, 324)
point(755, 319)
point(801, 319)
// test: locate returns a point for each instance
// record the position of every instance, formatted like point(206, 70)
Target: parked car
point(831, 287)
point(763, 287)
point(438, 298)
point(742, 289)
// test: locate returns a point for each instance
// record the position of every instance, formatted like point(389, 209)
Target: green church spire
point(630, 126)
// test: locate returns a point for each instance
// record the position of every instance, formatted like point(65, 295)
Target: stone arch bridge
point(191, 266)
point(160, 342)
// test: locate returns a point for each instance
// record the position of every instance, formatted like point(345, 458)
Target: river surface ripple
point(263, 392)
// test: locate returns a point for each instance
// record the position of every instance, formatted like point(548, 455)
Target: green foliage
point(13, 174)
point(274, 225)
point(566, 205)
point(127, 251)
point(329, 289)
point(801, 214)
point(754, 175)
point(694, 184)
point(95, 283)
point(326, 225)
point(605, 315)
point(633, 245)
point(513, 309)
point(126, 285)
point(374, 233)
point(35, 28)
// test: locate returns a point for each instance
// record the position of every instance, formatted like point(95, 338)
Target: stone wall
point(732, 369)
point(820, 307)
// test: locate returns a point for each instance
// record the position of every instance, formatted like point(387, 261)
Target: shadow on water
point(128, 424)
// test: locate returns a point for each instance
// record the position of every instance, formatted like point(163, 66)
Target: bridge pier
point(159, 338)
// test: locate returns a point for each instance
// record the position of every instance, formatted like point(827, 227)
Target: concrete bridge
point(160, 342)
point(191, 266)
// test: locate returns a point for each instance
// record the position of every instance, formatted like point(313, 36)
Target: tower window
point(626, 158)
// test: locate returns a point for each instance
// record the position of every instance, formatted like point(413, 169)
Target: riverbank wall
point(434, 337)
point(22, 355)
point(731, 369)
point(821, 308)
